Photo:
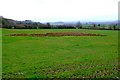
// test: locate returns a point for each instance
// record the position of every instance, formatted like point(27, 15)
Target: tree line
point(28, 24)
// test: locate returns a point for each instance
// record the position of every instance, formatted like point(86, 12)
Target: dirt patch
point(58, 34)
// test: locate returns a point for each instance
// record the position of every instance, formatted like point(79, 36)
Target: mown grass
point(60, 57)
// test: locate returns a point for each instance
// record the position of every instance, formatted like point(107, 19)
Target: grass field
point(59, 57)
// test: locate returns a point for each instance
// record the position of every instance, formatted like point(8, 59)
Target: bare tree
point(79, 25)
point(48, 24)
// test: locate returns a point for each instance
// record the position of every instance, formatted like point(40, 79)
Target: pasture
point(59, 56)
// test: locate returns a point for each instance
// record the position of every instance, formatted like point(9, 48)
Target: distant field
point(59, 57)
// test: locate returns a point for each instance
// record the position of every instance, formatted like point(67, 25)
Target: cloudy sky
point(60, 10)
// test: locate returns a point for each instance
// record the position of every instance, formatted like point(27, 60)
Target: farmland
point(59, 56)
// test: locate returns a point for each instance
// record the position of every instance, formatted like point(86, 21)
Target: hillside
point(10, 23)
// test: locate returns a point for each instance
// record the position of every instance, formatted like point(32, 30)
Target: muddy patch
point(58, 34)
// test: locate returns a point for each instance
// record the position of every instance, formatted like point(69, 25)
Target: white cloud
point(55, 10)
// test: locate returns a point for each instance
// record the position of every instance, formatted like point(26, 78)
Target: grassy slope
point(34, 57)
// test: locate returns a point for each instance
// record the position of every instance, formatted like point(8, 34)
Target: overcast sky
point(60, 10)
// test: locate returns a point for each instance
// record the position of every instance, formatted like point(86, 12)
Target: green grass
point(60, 57)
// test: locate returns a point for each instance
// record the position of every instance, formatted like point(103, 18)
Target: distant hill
point(27, 24)
point(57, 23)
point(106, 22)
point(75, 22)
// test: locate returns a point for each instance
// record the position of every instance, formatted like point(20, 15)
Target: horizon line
point(63, 21)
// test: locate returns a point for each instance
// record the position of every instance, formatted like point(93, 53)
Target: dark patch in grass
point(58, 34)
